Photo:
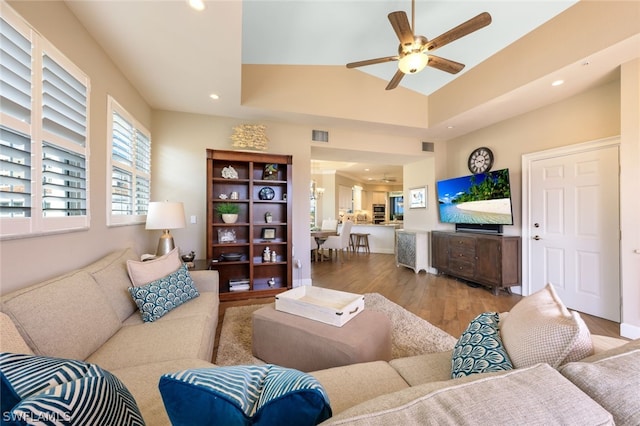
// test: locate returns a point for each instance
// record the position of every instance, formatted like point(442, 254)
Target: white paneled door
point(575, 229)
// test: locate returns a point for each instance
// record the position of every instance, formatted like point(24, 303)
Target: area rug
point(410, 334)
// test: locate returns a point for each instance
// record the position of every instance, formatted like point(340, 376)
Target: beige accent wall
point(604, 111)
point(331, 91)
point(28, 260)
point(179, 173)
point(571, 36)
point(591, 115)
point(180, 139)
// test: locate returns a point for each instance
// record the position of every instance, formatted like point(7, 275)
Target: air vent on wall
point(319, 136)
point(428, 146)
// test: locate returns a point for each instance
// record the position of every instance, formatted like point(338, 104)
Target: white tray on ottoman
point(321, 304)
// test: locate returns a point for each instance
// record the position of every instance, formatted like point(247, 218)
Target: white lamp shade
point(165, 215)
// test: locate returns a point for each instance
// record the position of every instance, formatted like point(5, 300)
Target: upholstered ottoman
point(296, 342)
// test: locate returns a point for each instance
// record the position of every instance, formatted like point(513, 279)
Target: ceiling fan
point(414, 50)
point(386, 179)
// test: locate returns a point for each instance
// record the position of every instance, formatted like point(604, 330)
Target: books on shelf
point(239, 284)
point(243, 287)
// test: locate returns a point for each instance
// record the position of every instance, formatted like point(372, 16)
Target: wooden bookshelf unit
point(260, 184)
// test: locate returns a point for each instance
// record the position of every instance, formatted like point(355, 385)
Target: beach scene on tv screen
point(482, 199)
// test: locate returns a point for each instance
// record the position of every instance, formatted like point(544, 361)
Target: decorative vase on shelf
point(268, 217)
point(229, 218)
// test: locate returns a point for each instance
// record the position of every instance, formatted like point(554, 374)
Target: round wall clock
point(480, 160)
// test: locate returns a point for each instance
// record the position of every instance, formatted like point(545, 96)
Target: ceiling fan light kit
point(412, 52)
point(413, 62)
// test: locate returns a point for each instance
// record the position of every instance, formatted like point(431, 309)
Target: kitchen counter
point(381, 236)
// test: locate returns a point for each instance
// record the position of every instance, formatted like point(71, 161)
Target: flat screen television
point(480, 199)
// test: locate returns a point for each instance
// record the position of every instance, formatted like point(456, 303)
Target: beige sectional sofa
point(600, 389)
point(89, 315)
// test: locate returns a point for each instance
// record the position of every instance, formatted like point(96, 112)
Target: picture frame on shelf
point(270, 172)
point(418, 198)
point(268, 233)
point(226, 236)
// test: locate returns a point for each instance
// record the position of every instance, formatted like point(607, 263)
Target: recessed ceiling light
point(366, 170)
point(197, 4)
point(557, 83)
point(214, 96)
point(449, 127)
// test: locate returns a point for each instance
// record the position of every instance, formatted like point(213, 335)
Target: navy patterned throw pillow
point(244, 395)
point(45, 390)
point(159, 297)
point(480, 348)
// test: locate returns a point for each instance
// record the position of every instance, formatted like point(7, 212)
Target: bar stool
point(360, 240)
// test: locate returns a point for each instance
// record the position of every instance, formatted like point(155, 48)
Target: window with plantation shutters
point(130, 165)
point(43, 134)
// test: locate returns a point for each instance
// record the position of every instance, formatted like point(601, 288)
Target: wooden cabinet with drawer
point(490, 260)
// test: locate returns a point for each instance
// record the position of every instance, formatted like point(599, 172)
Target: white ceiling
point(335, 32)
point(176, 56)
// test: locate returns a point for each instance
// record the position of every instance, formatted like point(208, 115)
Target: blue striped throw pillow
point(480, 348)
point(244, 395)
point(44, 390)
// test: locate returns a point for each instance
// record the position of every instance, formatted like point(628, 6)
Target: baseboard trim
point(629, 331)
point(301, 282)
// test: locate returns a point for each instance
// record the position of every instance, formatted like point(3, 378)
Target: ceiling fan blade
point(473, 24)
point(372, 61)
point(395, 80)
point(400, 24)
point(443, 64)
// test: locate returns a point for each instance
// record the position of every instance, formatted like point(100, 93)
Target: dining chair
point(329, 225)
point(314, 249)
point(339, 243)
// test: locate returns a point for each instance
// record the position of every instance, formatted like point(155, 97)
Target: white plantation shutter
point(64, 103)
point(64, 190)
point(15, 142)
point(43, 134)
point(15, 174)
point(15, 73)
point(143, 167)
point(64, 124)
point(130, 165)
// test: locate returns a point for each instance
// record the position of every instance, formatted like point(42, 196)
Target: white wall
point(630, 199)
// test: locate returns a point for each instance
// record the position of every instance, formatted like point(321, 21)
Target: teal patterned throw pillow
point(244, 395)
point(161, 296)
point(54, 391)
point(480, 348)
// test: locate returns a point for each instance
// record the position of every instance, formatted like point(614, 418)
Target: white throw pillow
point(142, 273)
point(540, 328)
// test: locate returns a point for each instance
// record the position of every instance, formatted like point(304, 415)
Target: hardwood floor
point(445, 302)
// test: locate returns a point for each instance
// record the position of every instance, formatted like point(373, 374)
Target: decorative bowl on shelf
point(231, 257)
point(188, 257)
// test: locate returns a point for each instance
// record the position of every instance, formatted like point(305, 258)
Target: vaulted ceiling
point(176, 57)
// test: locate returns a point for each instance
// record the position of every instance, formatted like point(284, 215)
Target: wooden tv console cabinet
point(490, 260)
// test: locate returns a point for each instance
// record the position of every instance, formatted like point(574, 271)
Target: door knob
point(537, 237)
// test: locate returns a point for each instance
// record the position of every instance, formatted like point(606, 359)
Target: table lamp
point(165, 215)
